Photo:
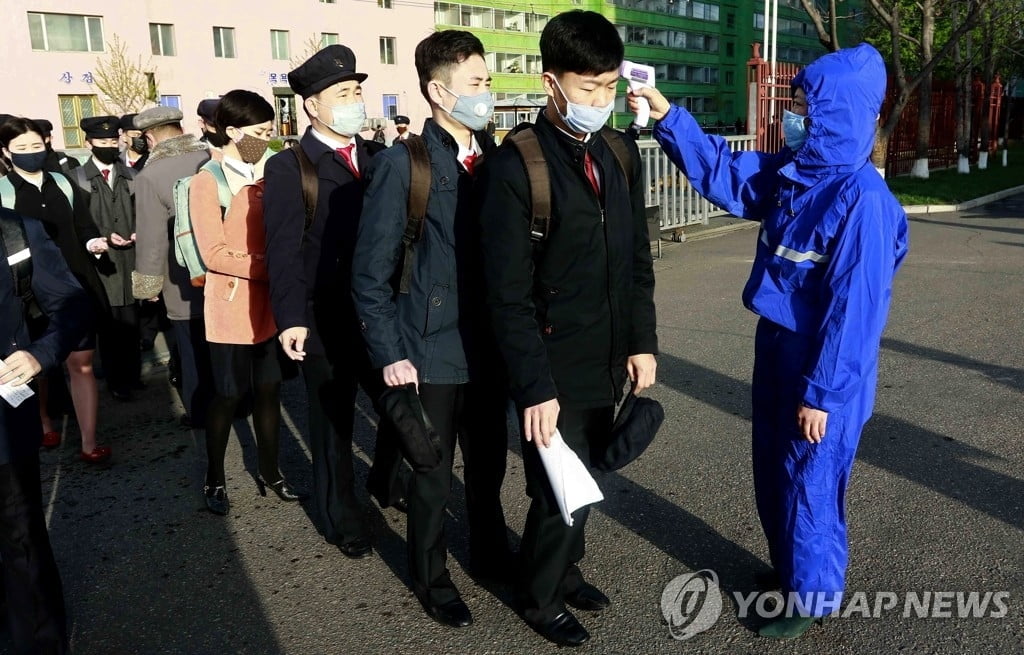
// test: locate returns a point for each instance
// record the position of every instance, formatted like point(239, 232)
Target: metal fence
point(666, 187)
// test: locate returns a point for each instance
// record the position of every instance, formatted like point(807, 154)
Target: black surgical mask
point(30, 162)
point(139, 145)
point(215, 139)
point(106, 155)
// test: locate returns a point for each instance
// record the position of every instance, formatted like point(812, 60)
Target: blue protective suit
point(831, 239)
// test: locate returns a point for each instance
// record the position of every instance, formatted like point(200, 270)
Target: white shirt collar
point(237, 173)
point(334, 144)
point(473, 149)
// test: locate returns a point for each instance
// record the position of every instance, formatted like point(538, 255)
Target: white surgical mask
point(583, 119)
point(348, 119)
point(472, 111)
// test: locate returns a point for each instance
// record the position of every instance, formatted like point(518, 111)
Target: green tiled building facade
point(699, 49)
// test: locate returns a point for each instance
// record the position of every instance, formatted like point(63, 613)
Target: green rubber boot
point(788, 627)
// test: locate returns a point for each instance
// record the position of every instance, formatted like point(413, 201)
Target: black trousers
point(474, 415)
point(196, 371)
point(331, 388)
point(35, 599)
point(550, 550)
point(119, 347)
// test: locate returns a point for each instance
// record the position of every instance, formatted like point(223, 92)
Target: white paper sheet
point(572, 483)
point(14, 395)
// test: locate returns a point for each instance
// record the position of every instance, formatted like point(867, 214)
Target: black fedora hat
point(633, 431)
point(417, 439)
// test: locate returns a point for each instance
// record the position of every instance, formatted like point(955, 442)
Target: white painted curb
point(970, 204)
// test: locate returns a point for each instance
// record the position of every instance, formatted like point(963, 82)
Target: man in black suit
point(402, 127)
point(309, 266)
point(35, 599)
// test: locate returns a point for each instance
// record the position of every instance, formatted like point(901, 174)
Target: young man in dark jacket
point(35, 600)
point(309, 268)
point(573, 313)
point(431, 333)
point(109, 186)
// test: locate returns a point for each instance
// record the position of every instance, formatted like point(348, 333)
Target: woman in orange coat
point(239, 325)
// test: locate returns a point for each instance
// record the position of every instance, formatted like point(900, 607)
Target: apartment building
point(194, 49)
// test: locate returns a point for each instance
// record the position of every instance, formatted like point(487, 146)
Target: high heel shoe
point(217, 500)
point(283, 490)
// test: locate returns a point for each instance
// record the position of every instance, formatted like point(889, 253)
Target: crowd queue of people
point(311, 268)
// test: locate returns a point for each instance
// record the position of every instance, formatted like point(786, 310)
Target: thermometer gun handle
point(643, 110)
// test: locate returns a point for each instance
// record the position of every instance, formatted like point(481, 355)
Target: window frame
point(89, 21)
point(388, 46)
point(275, 45)
point(161, 43)
point(218, 41)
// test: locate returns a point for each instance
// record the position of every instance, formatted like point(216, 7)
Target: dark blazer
point(63, 301)
point(430, 325)
point(310, 272)
point(568, 314)
point(70, 227)
point(113, 210)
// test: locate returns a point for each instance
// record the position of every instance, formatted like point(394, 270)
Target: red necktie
point(106, 175)
point(588, 168)
point(469, 161)
point(346, 154)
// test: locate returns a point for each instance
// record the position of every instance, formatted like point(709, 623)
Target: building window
point(327, 2)
point(328, 38)
point(161, 38)
point(279, 44)
point(730, 78)
point(384, 4)
point(730, 50)
point(170, 101)
point(66, 32)
point(224, 42)
point(387, 49)
point(73, 108)
point(730, 20)
point(390, 107)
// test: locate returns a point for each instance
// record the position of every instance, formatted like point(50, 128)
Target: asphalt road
point(936, 502)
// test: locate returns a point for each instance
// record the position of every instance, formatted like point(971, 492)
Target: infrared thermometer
point(639, 76)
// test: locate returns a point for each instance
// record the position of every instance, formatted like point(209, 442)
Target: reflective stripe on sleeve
point(796, 255)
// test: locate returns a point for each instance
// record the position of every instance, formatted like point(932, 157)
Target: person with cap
point(56, 161)
point(832, 238)
point(207, 125)
point(309, 259)
point(135, 148)
point(35, 600)
point(402, 127)
point(63, 209)
point(433, 333)
point(573, 308)
point(173, 155)
point(109, 187)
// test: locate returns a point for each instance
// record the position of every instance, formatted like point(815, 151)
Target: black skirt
point(237, 368)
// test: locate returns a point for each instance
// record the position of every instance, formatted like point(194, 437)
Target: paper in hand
point(14, 395)
point(572, 483)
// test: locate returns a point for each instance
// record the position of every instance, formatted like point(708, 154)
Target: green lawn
point(947, 187)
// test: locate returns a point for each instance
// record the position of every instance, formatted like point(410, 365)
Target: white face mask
point(583, 119)
point(348, 119)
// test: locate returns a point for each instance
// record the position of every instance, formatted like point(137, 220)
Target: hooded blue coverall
point(832, 237)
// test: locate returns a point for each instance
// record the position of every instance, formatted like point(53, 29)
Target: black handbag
point(417, 439)
point(632, 432)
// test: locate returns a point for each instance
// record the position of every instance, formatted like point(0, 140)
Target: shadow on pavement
point(1004, 375)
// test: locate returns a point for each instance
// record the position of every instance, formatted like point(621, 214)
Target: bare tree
point(311, 46)
point(890, 14)
point(126, 83)
point(827, 36)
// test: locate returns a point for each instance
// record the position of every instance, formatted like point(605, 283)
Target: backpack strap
point(419, 195)
point(223, 191)
point(65, 186)
point(525, 141)
point(621, 152)
point(310, 183)
point(7, 194)
point(15, 242)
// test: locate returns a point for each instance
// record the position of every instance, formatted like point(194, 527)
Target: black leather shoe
point(217, 500)
point(453, 614)
point(563, 630)
point(356, 549)
point(588, 597)
point(401, 504)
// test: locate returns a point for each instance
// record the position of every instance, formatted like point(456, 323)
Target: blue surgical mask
point(30, 162)
point(583, 119)
point(348, 119)
point(472, 111)
point(794, 128)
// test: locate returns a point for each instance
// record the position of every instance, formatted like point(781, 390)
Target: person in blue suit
point(37, 281)
point(832, 237)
